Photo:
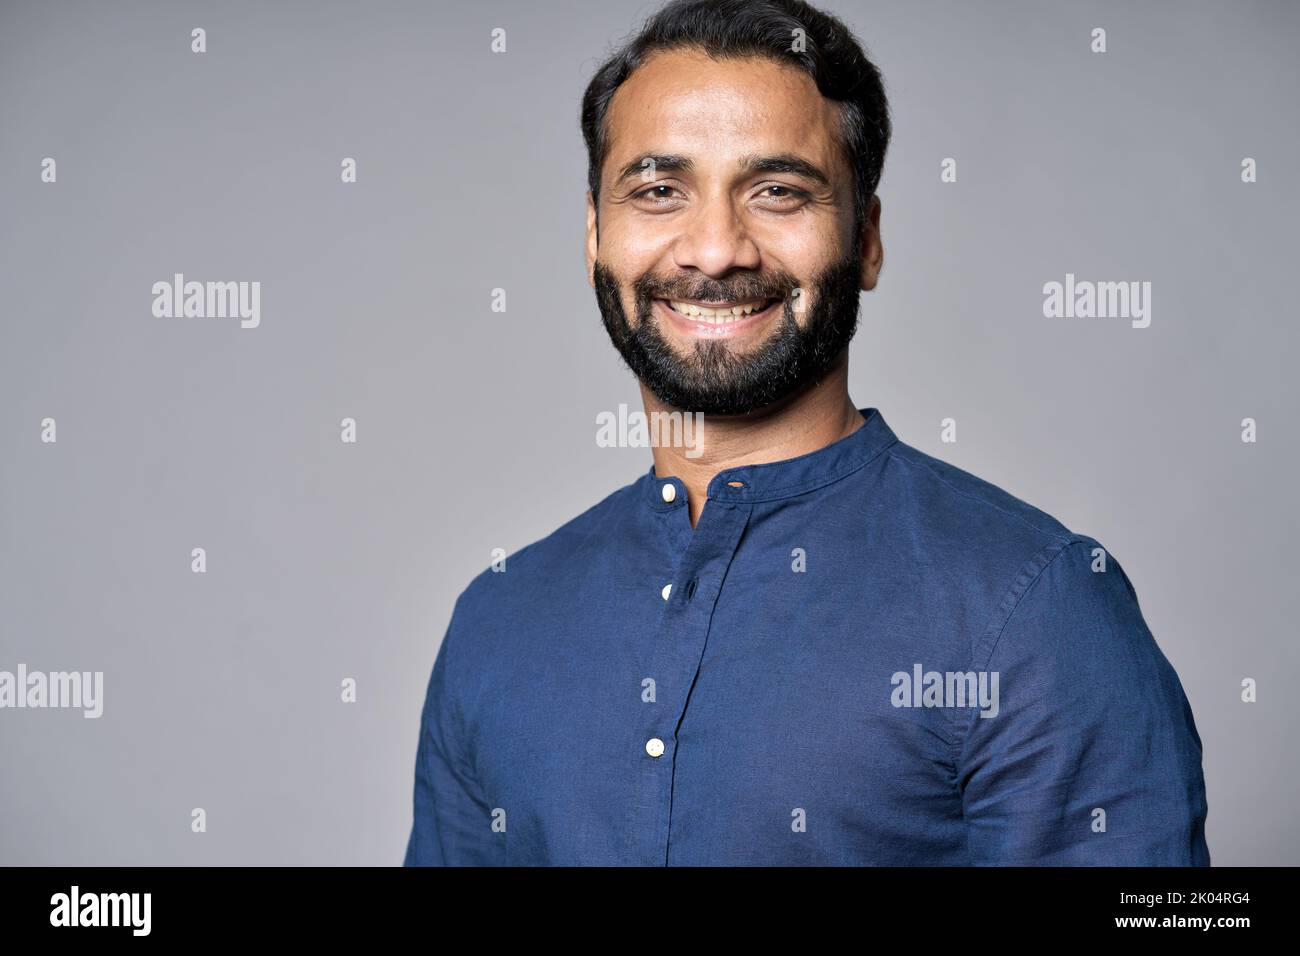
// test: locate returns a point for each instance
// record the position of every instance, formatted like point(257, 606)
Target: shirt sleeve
point(452, 823)
point(1092, 758)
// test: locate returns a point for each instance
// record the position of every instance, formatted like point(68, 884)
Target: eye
point(646, 193)
point(784, 193)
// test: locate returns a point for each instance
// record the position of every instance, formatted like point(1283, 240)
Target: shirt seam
point(1030, 572)
point(983, 501)
point(454, 685)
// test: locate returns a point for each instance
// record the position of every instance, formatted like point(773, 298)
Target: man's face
point(727, 269)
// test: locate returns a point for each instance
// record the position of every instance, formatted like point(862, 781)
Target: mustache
point(650, 287)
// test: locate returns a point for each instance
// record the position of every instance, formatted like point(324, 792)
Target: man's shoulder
point(1004, 550)
point(572, 544)
point(985, 533)
point(969, 507)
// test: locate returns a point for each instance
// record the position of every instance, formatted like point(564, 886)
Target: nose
point(714, 240)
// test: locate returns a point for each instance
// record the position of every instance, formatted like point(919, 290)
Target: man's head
point(734, 149)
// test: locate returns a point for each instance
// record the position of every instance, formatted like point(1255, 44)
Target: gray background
point(477, 429)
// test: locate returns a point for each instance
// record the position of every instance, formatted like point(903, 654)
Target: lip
point(694, 328)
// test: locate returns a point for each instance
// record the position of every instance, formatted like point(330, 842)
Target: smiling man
point(810, 643)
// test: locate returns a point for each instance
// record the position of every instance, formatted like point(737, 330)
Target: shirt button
point(666, 591)
point(654, 747)
point(670, 492)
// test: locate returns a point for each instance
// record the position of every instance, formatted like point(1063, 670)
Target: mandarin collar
point(780, 479)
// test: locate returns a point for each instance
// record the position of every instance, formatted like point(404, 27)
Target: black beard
point(713, 379)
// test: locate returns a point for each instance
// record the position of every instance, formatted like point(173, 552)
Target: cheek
point(627, 258)
point(622, 280)
point(801, 248)
point(636, 251)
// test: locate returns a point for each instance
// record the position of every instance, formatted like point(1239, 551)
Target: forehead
point(682, 101)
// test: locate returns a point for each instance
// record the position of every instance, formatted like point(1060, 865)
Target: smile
point(712, 319)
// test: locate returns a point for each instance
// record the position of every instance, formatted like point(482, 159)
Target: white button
point(670, 492)
point(666, 591)
point(654, 747)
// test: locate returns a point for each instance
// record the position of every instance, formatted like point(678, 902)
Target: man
point(810, 643)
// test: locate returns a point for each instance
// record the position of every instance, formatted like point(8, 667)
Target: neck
point(816, 416)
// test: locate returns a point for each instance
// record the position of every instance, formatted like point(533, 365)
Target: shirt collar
point(781, 479)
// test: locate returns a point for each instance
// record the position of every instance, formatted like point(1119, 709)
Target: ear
point(873, 249)
point(592, 241)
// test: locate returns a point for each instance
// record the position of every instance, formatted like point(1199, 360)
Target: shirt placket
point(689, 592)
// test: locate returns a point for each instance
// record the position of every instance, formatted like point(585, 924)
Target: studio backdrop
point(244, 523)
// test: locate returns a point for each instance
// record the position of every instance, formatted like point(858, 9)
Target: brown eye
point(787, 193)
point(646, 193)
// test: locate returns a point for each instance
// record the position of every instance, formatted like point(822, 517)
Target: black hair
point(725, 29)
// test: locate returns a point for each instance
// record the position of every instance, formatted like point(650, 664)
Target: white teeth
point(715, 316)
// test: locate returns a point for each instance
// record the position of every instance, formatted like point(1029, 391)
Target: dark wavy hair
point(726, 29)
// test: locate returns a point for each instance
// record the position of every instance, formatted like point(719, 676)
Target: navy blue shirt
point(862, 655)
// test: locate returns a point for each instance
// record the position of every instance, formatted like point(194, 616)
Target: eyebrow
point(751, 163)
point(671, 162)
point(785, 163)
